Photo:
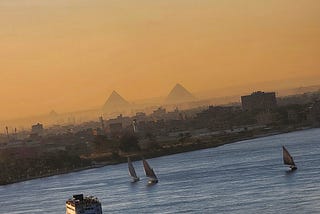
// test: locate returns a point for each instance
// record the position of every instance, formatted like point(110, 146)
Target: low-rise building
point(37, 129)
point(115, 129)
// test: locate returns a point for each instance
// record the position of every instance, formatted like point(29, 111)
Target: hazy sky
point(70, 54)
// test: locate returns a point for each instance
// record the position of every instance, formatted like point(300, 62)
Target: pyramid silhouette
point(179, 94)
point(115, 103)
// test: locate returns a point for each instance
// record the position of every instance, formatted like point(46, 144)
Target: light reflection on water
point(244, 177)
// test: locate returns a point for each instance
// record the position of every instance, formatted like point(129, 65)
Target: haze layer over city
point(70, 55)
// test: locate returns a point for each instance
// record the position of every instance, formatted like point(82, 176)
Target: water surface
point(244, 177)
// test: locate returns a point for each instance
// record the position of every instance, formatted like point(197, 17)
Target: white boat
point(287, 159)
point(83, 205)
point(149, 172)
point(132, 172)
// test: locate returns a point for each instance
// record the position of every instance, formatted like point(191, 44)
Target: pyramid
point(179, 95)
point(53, 113)
point(115, 103)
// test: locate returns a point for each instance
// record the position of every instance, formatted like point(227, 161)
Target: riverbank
point(169, 148)
point(193, 144)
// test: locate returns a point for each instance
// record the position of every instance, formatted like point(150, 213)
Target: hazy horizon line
point(162, 98)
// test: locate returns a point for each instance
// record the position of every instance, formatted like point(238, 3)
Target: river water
point(243, 177)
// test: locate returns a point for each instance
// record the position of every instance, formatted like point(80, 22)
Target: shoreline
point(180, 148)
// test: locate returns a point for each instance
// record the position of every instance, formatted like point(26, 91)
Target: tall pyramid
point(115, 103)
point(179, 95)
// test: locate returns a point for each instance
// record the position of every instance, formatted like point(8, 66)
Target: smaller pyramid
point(115, 103)
point(179, 95)
point(53, 113)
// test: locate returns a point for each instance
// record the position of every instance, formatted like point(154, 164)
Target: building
point(159, 114)
point(314, 113)
point(37, 129)
point(140, 116)
point(125, 121)
point(259, 101)
point(115, 130)
point(265, 118)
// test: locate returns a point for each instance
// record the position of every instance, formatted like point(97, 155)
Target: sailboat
point(287, 159)
point(132, 172)
point(149, 172)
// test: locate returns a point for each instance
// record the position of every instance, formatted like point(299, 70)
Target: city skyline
point(70, 55)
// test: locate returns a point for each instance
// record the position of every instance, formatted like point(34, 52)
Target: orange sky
point(70, 54)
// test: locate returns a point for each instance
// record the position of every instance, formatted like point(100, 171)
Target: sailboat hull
point(293, 168)
point(135, 180)
point(152, 181)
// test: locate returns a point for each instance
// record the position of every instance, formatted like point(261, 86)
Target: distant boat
point(149, 172)
point(287, 159)
point(132, 172)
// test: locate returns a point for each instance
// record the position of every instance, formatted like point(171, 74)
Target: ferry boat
point(83, 205)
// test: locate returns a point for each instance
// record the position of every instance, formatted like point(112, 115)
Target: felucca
point(132, 172)
point(149, 172)
point(287, 159)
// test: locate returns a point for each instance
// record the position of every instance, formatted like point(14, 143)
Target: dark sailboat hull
point(293, 168)
point(134, 180)
point(150, 182)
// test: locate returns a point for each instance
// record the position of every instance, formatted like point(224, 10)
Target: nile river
point(244, 177)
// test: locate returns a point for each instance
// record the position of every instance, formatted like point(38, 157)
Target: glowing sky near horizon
point(71, 54)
